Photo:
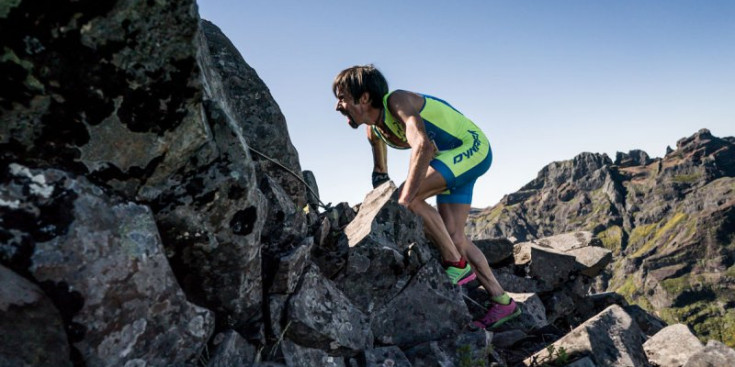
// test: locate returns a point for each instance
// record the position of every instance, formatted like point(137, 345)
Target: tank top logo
point(469, 152)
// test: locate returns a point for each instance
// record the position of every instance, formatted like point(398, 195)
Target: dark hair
point(360, 79)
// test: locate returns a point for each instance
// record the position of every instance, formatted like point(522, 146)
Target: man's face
point(347, 106)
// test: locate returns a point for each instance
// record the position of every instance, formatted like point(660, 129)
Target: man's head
point(359, 84)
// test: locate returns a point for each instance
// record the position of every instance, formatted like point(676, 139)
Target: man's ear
point(365, 97)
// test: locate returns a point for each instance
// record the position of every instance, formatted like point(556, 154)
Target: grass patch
point(676, 285)
point(669, 229)
point(612, 239)
point(730, 272)
point(627, 289)
point(706, 319)
point(687, 179)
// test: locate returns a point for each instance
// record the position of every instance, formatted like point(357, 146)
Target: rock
point(31, 329)
point(584, 362)
point(649, 324)
point(312, 194)
point(277, 313)
point(534, 312)
point(211, 213)
point(496, 250)
point(713, 354)
point(567, 241)
point(382, 238)
point(633, 158)
point(517, 284)
point(429, 307)
point(381, 219)
point(551, 267)
point(297, 355)
point(290, 268)
point(105, 269)
point(611, 338)
point(109, 90)
point(285, 224)
point(322, 317)
point(672, 346)
point(230, 349)
point(591, 260)
point(386, 356)
point(467, 349)
point(261, 119)
point(331, 251)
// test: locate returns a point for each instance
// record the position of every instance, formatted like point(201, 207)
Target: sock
point(502, 299)
point(461, 264)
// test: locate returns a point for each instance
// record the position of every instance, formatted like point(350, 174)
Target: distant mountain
point(669, 221)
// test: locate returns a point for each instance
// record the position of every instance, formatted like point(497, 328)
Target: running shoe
point(460, 276)
point(497, 315)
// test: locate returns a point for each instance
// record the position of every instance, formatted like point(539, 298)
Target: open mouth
point(350, 121)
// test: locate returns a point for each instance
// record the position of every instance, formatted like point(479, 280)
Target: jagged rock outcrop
point(669, 223)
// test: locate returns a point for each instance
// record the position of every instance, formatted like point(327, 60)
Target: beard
point(352, 123)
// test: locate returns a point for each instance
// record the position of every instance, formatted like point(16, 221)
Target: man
point(448, 153)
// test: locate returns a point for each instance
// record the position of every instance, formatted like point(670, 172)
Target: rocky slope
point(153, 213)
point(669, 221)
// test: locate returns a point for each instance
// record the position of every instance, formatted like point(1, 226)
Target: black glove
point(379, 178)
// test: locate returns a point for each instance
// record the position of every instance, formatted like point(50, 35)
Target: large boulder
point(386, 248)
point(612, 338)
point(672, 346)
point(102, 262)
point(320, 316)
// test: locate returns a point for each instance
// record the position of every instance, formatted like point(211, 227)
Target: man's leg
point(455, 219)
point(434, 226)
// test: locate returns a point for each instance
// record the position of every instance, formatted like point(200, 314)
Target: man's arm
point(403, 105)
point(380, 158)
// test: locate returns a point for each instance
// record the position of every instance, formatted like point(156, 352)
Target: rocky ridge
point(668, 221)
point(152, 213)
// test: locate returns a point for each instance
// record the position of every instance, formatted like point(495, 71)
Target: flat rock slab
point(672, 346)
point(612, 338)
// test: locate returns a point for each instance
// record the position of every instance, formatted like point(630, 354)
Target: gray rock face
point(429, 308)
point(107, 268)
point(321, 316)
point(230, 349)
point(386, 356)
point(31, 329)
point(95, 91)
point(296, 355)
point(261, 118)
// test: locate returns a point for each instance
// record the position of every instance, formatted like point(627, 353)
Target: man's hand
point(379, 178)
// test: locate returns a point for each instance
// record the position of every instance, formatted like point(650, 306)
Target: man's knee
point(458, 237)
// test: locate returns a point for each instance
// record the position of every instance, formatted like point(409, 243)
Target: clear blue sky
point(546, 80)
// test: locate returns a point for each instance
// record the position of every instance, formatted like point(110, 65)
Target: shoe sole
point(467, 279)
